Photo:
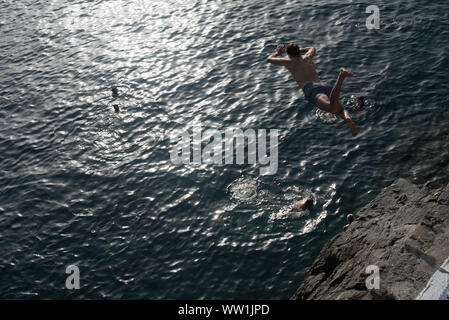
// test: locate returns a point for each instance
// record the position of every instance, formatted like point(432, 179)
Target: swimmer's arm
point(310, 52)
point(278, 61)
point(273, 58)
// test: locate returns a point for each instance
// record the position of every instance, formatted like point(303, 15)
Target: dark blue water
point(80, 184)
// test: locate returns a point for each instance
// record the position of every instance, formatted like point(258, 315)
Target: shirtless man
point(303, 204)
point(320, 94)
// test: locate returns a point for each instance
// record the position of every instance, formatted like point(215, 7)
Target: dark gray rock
point(404, 231)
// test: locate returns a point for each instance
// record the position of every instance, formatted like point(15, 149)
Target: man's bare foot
point(346, 73)
point(303, 204)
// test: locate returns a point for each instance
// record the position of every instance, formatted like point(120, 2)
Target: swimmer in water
point(114, 92)
point(115, 96)
point(360, 103)
point(303, 204)
point(321, 94)
point(350, 219)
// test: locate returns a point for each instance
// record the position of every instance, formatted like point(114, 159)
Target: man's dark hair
point(350, 218)
point(293, 49)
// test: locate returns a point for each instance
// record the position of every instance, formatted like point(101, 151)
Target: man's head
point(293, 50)
point(114, 92)
point(360, 103)
point(350, 218)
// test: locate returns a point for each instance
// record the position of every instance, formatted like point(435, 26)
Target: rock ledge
point(404, 231)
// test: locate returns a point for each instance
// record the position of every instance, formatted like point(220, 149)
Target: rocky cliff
point(404, 231)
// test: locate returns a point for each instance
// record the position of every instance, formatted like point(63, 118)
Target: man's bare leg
point(335, 93)
point(334, 100)
point(332, 103)
point(323, 103)
point(344, 114)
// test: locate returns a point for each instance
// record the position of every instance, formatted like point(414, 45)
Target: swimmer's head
point(114, 91)
point(293, 50)
point(350, 218)
point(361, 100)
point(309, 202)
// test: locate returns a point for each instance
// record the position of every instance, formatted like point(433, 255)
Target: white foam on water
point(326, 117)
point(243, 189)
point(286, 212)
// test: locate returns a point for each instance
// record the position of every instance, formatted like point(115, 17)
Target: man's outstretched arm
point(273, 58)
point(310, 51)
